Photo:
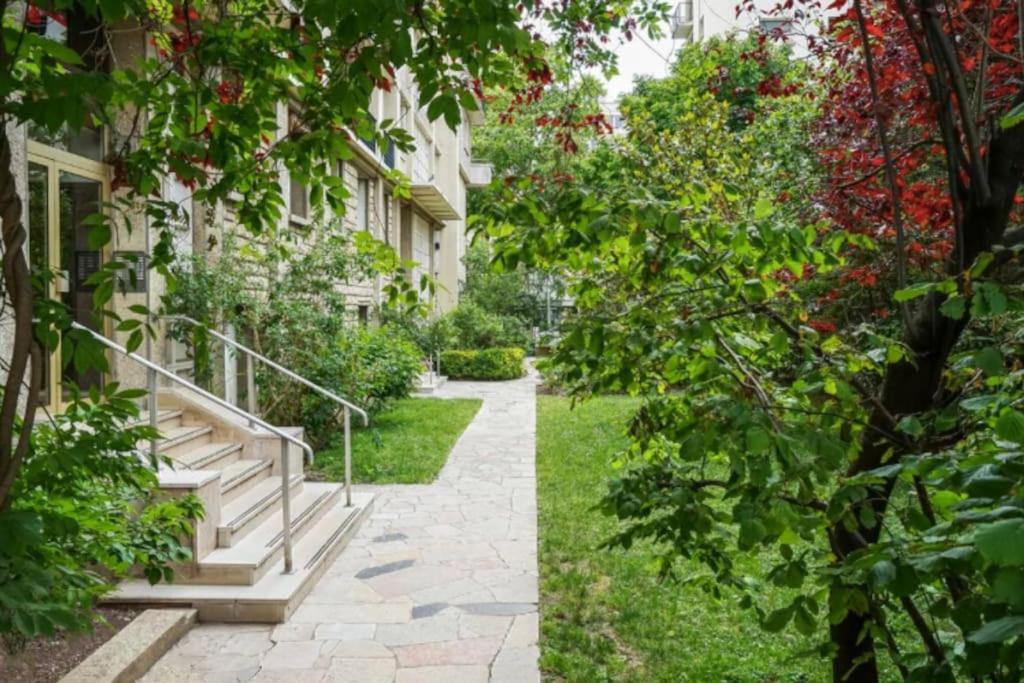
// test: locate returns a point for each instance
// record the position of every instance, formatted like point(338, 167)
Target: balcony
point(682, 21)
point(475, 173)
point(428, 196)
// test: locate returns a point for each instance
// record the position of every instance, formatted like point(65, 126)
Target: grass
point(604, 614)
point(406, 444)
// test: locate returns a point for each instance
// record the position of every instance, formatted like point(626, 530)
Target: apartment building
point(429, 227)
point(697, 20)
point(65, 179)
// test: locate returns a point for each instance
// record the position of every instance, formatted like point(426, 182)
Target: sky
point(641, 57)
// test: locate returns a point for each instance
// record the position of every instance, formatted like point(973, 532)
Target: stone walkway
point(440, 584)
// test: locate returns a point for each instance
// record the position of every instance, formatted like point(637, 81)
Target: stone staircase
point(237, 571)
point(429, 383)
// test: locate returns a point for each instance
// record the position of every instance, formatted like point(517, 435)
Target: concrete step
point(182, 439)
point(249, 560)
point(276, 595)
point(246, 512)
point(240, 476)
point(426, 387)
point(214, 455)
point(165, 419)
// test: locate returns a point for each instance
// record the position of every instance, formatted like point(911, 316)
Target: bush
point(301, 320)
point(429, 335)
point(86, 511)
point(370, 367)
point(388, 367)
point(486, 364)
point(476, 328)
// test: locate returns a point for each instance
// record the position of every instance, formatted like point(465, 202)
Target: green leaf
point(997, 631)
point(1002, 543)
point(1008, 587)
point(981, 264)
point(977, 403)
point(911, 425)
point(763, 209)
point(1010, 426)
point(777, 620)
point(99, 236)
point(804, 621)
point(882, 574)
point(913, 292)
point(988, 299)
point(954, 307)
point(758, 440)
point(990, 361)
point(1013, 117)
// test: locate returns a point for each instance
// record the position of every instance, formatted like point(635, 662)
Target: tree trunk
point(912, 387)
point(26, 355)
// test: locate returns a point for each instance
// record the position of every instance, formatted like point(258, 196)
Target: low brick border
point(134, 649)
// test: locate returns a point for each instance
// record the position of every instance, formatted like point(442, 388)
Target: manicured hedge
point(486, 364)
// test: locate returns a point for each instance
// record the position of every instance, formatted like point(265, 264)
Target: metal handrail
point(347, 406)
point(153, 370)
point(280, 368)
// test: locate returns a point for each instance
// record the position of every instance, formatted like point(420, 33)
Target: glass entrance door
point(79, 197)
point(62, 194)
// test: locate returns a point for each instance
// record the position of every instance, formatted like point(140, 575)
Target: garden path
point(440, 583)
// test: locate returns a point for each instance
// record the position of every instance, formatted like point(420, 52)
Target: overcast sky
point(640, 57)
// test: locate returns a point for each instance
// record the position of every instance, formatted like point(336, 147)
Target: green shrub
point(370, 367)
point(300, 320)
point(388, 367)
point(486, 364)
point(429, 335)
point(476, 328)
point(86, 511)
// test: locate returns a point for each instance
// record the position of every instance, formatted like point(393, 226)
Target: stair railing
point(347, 406)
point(153, 371)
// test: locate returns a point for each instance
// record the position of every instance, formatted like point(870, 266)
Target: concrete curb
point(129, 655)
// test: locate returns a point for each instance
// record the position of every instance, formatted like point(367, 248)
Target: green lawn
point(406, 444)
point(604, 614)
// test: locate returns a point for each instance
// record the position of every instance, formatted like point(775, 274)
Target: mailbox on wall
point(133, 277)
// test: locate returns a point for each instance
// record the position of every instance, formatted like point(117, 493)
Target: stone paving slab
point(438, 585)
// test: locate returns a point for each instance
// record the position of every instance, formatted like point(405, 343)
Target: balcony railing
point(682, 20)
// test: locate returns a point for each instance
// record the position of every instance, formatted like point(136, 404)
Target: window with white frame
point(363, 205)
point(298, 193)
point(298, 200)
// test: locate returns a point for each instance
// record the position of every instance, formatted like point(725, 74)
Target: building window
point(364, 315)
point(299, 200)
point(298, 193)
point(387, 218)
point(363, 204)
point(776, 26)
point(74, 28)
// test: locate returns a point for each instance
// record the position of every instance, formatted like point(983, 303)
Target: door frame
point(57, 160)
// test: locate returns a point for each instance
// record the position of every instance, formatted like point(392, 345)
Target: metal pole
point(227, 366)
point(348, 457)
point(286, 505)
point(173, 350)
point(250, 386)
point(151, 382)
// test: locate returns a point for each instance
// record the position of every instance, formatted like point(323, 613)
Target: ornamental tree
point(817, 388)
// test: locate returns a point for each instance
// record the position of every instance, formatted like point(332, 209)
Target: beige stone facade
point(427, 227)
